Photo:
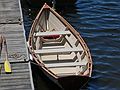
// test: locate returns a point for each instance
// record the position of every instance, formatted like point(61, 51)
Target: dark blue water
point(98, 22)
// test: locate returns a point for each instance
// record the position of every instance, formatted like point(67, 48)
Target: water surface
point(98, 22)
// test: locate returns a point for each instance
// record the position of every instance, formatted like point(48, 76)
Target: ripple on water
point(99, 24)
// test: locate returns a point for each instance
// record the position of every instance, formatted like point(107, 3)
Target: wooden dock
point(11, 26)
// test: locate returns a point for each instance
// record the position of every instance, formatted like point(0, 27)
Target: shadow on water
point(39, 3)
point(41, 82)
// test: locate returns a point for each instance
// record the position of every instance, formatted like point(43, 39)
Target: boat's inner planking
point(63, 55)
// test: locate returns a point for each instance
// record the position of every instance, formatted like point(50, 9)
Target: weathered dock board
point(19, 79)
point(17, 49)
point(9, 11)
point(11, 26)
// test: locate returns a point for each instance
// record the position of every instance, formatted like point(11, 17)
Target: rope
point(17, 56)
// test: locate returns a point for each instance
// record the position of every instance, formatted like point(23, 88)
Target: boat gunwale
point(73, 31)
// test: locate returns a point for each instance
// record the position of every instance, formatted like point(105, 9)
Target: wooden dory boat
point(59, 50)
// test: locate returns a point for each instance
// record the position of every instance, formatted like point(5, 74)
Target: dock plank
point(10, 11)
point(13, 30)
point(18, 79)
point(15, 41)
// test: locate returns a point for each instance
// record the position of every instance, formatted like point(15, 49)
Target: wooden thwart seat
point(51, 47)
point(63, 71)
point(66, 64)
point(61, 50)
point(53, 33)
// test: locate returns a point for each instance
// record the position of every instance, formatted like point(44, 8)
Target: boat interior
point(57, 47)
